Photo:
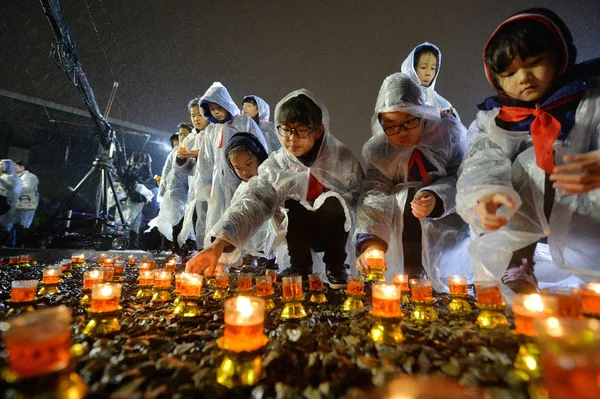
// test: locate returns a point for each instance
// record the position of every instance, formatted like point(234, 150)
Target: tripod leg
point(75, 191)
point(112, 186)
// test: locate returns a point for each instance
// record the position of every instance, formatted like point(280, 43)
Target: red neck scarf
point(417, 158)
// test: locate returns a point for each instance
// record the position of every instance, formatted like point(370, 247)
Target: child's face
point(529, 79)
point(250, 110)
point(245, 165)
point(408, 134)
point(426, 68)
point(174, 143)
point(297, 146)
point(183, 133)
point(197, 119)
point(218, 112)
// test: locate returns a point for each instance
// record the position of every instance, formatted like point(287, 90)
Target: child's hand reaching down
point(487, 206)
point(423, 204)
point(580, 175)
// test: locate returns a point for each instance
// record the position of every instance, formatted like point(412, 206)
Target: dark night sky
point(163, 53)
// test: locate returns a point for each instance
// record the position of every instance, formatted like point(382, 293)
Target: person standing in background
point(27, 203)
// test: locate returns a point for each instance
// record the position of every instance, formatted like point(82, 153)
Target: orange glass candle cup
point(92, 278)
point(109, 262)
point(119, 267)
point(146, 278)
point(528, 309)
point(570, 357)
point(315, 282)
point(272, 273)
point(191, 285)
point(65, 265)
point(132, 260)
point(182, 149)
point(108, 273)
point(222, 280)
point(51, 276)
point(39, 342)
point(386, 301)
point(244, 324)
point(23, 291)
point(590, 299)
point(420, 290)
point(105, 298)
point(245, 282)
point(78, 260)
point(162, 279)
point(401, 280)
point(488, 293)
point(178, 281)
point(13, 261)
point(569, 302)
point(292, 287)
point(356, 284)
point(101, 259)
point(264, 286)
point(375, 260)
point(171, 265)
point(458, 285)
point(24, 260)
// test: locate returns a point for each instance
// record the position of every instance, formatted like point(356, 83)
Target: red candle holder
point(65, 268)
point(387, 314)
point(292, 297)
point(355, 292)
point(590, 299)
point(90, 280)
point(50, 281)
point(375, 260)
point(422, 300)
point(101, 259)
point(13, 261)
point(245, 283)
point(264, 289)
point(22, 297)
point(145, 284)
point(171, 265)
point(24, 261)
point(132, 260)
point(317, 288)
point(110, 262)
point(221, 286)
point(104, 310)
point(401, 281)
point(490, 304)
point(162, 285)
point(459, 293)
point(569, 301)
point(108, 273)
point(189, 291)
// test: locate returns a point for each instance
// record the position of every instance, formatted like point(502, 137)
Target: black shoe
point(293, 271)
point(337, 276)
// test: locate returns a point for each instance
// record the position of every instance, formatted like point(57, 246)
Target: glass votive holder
point(315, 282)
point(244, 324)
point(590, 299)
point(23, 291)
point(222, 280)
point(171, 265)
point(488, 293)
point(490, 304)
point(245, 282)
point(39, 342)
point(272, 273)
point(146, 278)
point(528, 309)
point(401, 280)
point(386, 301)
point(178, 281)
point(191, 285)
point(24, 260)
point(356, 284)
point(162, 279)
point(132, 260)
point(119, 267)
point(569, 301)
point(292, 287)
point(420, 290)
point(14, 261)
point(264, 286)
point(458, 285)
point(110, 262)
point(105, 298)
point(92, 278)
point(51, 275)
point(108, 273)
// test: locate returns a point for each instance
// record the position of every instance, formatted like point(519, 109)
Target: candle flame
point(244, 306)
point(51, 272)
point(106, 290)
point(554, 327)
point(388, 290)
point(456, 279)
point(595, 287)
point(534, 302)
point(374, 253)
point(94, 274)
point(400, 278)
point(147, 273)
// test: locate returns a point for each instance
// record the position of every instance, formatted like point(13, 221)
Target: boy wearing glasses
point(407, 206)
point(314, 176)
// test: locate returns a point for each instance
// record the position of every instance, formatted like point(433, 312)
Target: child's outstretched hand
point(580, 175)
point(423, 204)
point(486, 209)
point(207, 258)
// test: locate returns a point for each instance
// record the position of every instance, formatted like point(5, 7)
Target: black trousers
point(176, 230)
point(322, 230)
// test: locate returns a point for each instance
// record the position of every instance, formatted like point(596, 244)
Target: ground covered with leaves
point(326, 355)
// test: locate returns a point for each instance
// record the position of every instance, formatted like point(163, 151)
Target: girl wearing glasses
point(407, 205)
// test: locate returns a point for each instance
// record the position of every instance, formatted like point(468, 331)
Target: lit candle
point(356, 284)
point(386, 300)
point(182, 149)
point(92, 278)
point(38, 343)
point(132, 260)
point(244, 324)
point(264, 286)
point(375, 260)
point(401, 280)
point(32, 260)
point(272, 273)
point(162, 279)
point(109, 273)
point(458, 285)
point(191, 284)
point(101, 259)
point(105, 298)
point(245, 282)
point(51, 275)
point(65, 265)
point(569, 302)
point(170, 265)
point(590, 298)
point(292, 287)
point(530, 308)
point(146, 278)
point(488, 293)
point(109, 262)
point(23, 290)
point(119, 267)
point(178, 281)
point(13, 261)
point(222, 280)
point(420, 290)
point(315, 282)
point(81, 258)
point(144, 266)
point(24, 260)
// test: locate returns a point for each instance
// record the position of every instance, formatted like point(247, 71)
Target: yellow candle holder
point(269, 304)
point(103, 323)
point(24, 261)
point(77, 261)
point(459, 304)
point(86, 299)
point(239, 368)
point(375, 274)
point(144, 292)
point(161, 295)
point(317, 296)
point(491, 316)
point(187, 306)
point(59, 385)
point(376, 263)
point(220, 294)
point(386, 331)
point(405, 299)
point(293, 308)
point(527, 362)
point(17, 308)
point(423, 311)
point(353, 302)
point(48, 289)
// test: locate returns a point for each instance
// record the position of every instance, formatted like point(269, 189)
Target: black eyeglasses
point(410, 125)
point(300, 131)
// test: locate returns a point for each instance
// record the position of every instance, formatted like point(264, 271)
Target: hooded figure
point(283, 176)
point(390, 183)
point(262, 119)
point(10, 190)
point(214, 181)
point(409, 67)
point(503, 158)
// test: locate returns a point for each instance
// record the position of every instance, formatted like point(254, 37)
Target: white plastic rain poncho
point(10, 187)
point(132, 210)
point(433, 98)
point(268, 128)
point(282, 176)
point(28, 199)
point(214, 181)
point(386, 185)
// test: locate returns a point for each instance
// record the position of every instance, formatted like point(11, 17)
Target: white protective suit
point(488, 167)
point(386, 185)
point(10, 187)
point(282, 176)
point(132, 211)
point(433, 98)
point(268, 128)
point(214, 180)
point(29, 195)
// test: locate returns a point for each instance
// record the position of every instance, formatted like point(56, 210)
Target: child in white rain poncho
point(172, 193)
point(192, 224)
point(423, 67)
point(314, 176)
point(214, 180)
point(258, 109)
point(542, 128)
point(10, 190)
point(407, 208)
